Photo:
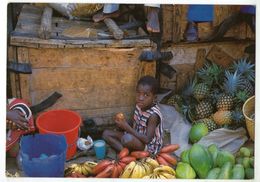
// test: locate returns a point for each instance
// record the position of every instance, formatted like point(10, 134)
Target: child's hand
point(18, 118)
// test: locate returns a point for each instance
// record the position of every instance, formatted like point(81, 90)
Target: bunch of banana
point(162, 172)
point(85, 168)
point(136, 169)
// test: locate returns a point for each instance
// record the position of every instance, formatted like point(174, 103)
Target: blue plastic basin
point(43, 155)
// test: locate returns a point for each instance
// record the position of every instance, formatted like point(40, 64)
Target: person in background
point(145, 131)
point(112, 11)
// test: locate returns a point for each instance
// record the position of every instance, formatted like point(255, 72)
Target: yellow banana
point(152, 162)
point(163, 168)
point(73, 165)
point(161, 176)
point(148, 168)
point(128, 170)
point(137, 171)
point(83, 170)
point(146, 177)
point(78, 169)
point(87, 168)
point(90, 164)
point(167, 175)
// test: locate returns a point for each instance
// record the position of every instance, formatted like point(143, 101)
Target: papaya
point(246, 162)
point(213, 150)
point(239, 160)
point(185, 156)
point(244, 152)
point(226, 171)
point(185, 171)
point(249, 172)
point(223, 157)
point(238, 172)
point(213, 173)
point(200, 160)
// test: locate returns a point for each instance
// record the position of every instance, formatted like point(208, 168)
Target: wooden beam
point(114, 29)
point(46, 22)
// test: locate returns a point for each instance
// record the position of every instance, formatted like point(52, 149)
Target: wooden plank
point(23, 57)
point(14, 78)
point(219, 56)
point(200, 59)
point(46, 24)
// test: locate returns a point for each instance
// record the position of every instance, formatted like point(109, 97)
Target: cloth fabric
point(140, 125)
point(14, 135)
point(200, 13)
point(110, 8)
point(248, 9)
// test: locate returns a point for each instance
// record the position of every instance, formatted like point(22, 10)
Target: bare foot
point(101, 16)
point(153, 24)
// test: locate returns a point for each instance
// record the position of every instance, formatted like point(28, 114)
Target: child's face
point(144, 96)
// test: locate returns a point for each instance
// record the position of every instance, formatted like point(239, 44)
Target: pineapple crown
point(210, 73)
point(241, 96)
point(244, 68)
point(188, 89)
point(237, 115)
point(232, 82)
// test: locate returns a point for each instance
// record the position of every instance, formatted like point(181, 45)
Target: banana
point(78, 169)
point(73, 165)
point(167, 175)
point(137, 171)
point(84, 170)
point(161, 176)
point(87, 168)
point(148, 168)
point(152, 162)
point(146, 177)
point(90, 164)
point(163, 168)
point(128, 170)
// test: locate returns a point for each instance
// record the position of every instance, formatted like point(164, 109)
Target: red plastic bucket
point(63, 122)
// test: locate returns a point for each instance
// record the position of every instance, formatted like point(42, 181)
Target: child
point(145, 132)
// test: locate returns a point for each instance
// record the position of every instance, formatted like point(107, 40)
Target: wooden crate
point(174, 23)
point(97, 78)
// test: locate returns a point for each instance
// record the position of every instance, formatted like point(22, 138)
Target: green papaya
point(252, 161)
point(223, 157)
point(200, 160)
point(244, 152)
point(249, 173)
point(239, 160)
point(185, 156)
point(246, 162)
point(238, 172)
point(226, 171)
point(213, 150)
point(185, 171)
point(213, 173)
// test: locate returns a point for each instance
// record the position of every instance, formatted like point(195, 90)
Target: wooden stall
point(96, 77)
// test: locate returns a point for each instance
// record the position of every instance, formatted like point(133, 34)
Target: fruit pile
point(80, 170)
point(215, 95)
point(212, 163)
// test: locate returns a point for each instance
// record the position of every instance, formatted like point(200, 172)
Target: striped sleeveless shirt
point(140, 125)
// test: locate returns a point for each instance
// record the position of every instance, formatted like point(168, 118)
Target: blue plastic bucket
point(100, 149)
point(43, 155)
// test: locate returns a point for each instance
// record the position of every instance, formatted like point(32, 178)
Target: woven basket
point(248, 111)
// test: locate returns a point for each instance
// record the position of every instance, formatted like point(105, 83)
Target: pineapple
point(201, 91)
point(222, 118)
point(175, 101)
point(232, 83)
point(210, 123)
point(248, 87)
point(246, 69)
point(203, 110)
point(238, 119)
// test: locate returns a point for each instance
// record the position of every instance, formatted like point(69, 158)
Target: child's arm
point(152, 123)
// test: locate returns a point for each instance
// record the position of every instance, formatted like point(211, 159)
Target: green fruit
point(246, 162)
point(244, 152)
point(239, 160)
point(226, 171)
point(223, 157)
point(213, 150)
point(200, 160)
point(185, 156)
point(252, 161)
point(185, 171)
point(197, 131)
point(249, 173)
point(213, 173)
point(238, 172)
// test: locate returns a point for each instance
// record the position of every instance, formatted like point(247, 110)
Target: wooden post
point(114, 29)
point(46, 21)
